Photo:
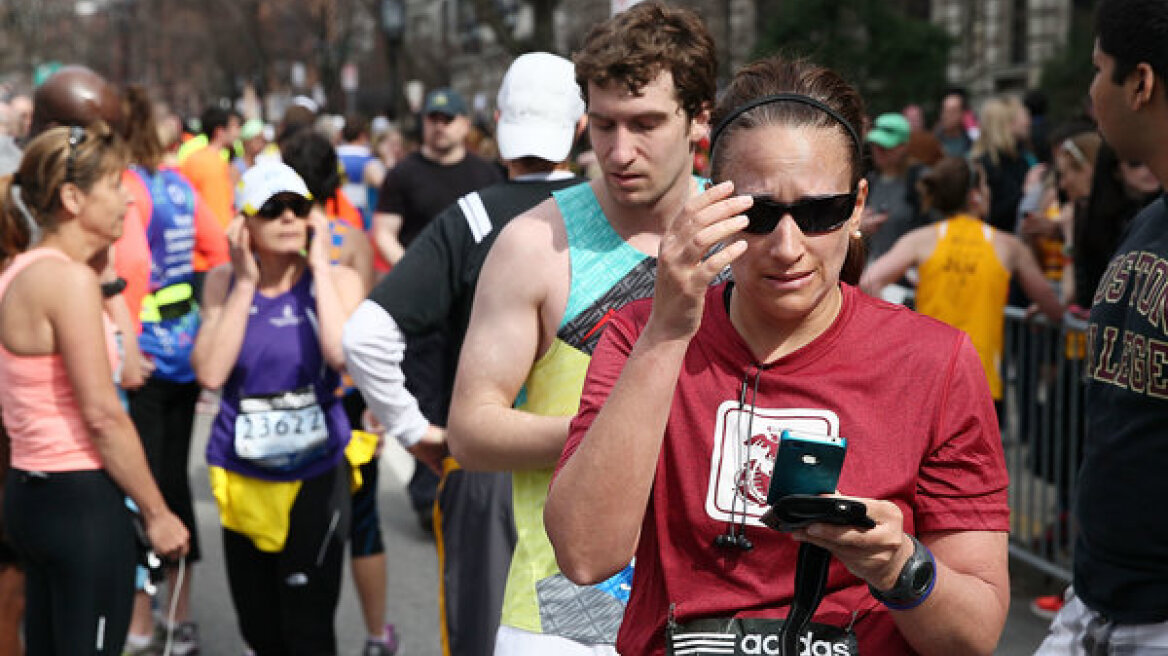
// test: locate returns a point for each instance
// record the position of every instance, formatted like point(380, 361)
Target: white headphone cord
point(174, 593)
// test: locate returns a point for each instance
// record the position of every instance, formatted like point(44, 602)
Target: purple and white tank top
point(279, 417)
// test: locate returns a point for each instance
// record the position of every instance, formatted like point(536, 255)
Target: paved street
point(413, 580)
point(1024, 631)
point(413, 604)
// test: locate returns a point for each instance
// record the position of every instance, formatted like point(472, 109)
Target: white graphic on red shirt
point(754, 479)
point(743, 457)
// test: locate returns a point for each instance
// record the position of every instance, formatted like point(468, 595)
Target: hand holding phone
point(317, 240)
point(242, 248)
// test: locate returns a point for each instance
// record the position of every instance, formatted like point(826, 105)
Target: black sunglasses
point(814, 215)
point(274, 207)
point(76, 138)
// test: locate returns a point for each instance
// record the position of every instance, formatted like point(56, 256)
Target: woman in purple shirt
point(271, 342)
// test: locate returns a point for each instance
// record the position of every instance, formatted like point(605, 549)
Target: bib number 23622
point(280, 429)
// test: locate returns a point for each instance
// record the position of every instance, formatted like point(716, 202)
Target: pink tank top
point(40, 410)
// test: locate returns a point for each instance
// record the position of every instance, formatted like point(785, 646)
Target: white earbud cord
point(178, 583)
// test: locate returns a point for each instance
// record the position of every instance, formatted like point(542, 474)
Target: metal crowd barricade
point(1042, 431)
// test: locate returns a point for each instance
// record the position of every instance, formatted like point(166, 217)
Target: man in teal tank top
point(552, 279)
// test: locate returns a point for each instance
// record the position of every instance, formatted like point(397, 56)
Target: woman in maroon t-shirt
point(656, 464)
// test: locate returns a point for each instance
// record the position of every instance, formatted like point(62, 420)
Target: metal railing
point(1042, 431)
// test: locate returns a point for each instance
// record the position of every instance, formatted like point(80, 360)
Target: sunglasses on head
point(274, 207)
point(77, 137)
point(814, 215)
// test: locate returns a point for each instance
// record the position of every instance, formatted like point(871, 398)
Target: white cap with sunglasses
point(265, 180)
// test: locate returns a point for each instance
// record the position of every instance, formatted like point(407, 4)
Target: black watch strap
point(915, 582)
point(113, 288)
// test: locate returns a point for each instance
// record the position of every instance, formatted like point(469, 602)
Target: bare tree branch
point(487, 11)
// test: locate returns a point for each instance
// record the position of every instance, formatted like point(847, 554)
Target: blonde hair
point(60, 156)
point(1081, 148)
point(996, 120)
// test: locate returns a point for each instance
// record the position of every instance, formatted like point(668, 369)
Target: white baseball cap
point(264, 180)
point(539, 105)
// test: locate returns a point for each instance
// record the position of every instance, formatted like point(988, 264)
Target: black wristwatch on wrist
point(915, 582)
point(113, 288)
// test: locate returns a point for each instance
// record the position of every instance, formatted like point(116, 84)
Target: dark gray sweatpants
point(475, 531)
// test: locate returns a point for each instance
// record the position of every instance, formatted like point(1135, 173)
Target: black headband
point(783, 97)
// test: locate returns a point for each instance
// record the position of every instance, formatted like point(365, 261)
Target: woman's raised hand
point(685, 266)
point(318, 243)
point(243, 262)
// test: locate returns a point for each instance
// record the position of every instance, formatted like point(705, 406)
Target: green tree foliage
point(892, 58)
point(1067, 76)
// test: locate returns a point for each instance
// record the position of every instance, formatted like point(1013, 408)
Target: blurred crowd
point(310, 282)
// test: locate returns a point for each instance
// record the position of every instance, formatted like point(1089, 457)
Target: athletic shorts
point(365, 534)
point(511, 641)
point(1079, 631)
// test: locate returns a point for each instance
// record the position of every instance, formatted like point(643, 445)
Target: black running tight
point(74, 537)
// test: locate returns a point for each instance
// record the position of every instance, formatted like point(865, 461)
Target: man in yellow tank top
point(551, 282)
point(964, 265)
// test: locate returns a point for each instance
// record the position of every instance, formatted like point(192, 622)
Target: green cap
point(251, 129)
point(889, 130)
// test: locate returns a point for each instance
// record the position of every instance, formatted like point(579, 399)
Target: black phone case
point(799, 510)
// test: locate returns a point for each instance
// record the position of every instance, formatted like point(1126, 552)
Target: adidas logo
point(750, 644)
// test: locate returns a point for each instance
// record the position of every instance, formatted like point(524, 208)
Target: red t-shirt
point(907, 392)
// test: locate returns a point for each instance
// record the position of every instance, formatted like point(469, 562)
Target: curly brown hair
point(634, 47)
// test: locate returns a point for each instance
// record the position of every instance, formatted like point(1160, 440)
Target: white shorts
point(1080, 631)
point(510, 641)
